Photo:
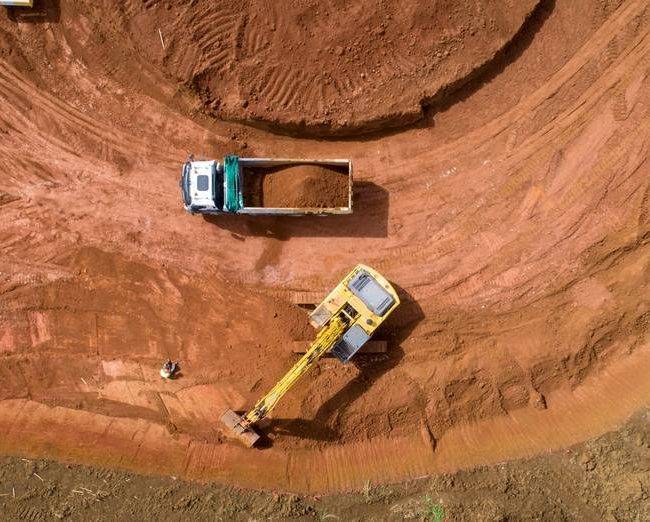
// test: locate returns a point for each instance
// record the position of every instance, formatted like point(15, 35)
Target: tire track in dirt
point(11, 81)
point(214, 24)
point(219, 49)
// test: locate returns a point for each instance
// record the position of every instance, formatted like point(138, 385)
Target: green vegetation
point(431, 511)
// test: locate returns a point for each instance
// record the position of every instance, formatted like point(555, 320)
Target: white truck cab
point(202, 186)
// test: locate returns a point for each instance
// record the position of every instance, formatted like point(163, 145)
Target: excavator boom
point(347, 318)
point(324, 342)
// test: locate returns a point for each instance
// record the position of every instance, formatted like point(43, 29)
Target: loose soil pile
point(301, 186)
point(514, 220)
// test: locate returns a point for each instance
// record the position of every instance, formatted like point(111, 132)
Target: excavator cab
point(377, 300)
point(345, 319)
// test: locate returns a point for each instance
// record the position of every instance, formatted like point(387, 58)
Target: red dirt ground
point(326, 64)
point(513, 218)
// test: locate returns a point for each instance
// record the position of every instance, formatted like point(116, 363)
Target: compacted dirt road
point(501, 182)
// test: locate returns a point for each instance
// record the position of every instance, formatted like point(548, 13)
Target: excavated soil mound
point(302, 186)
point(328, 66)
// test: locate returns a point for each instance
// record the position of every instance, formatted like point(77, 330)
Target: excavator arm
point(346, 319)
point(325, 340)
point(323, 343)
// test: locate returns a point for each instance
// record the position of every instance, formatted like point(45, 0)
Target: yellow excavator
point(346, 319)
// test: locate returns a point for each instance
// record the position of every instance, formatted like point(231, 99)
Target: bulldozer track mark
point(606, 8)
point(218, 38)
point(619, 103)
point(214, 27)
point(283, 88)
point(611, 51)
point(292, 91)
point(255, 39)
point(218, 59)
point(302, 86)
point(267, 86)
point(211, 16)
point(631, 32)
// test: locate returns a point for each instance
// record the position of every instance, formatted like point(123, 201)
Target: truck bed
point(296, 186)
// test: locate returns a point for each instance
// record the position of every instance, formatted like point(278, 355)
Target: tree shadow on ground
point(43, 11)
point(323, 426)
point(369, 219)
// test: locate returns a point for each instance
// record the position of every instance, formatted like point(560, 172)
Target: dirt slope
point(514, 220)
point(322, 66)
point(606, 478)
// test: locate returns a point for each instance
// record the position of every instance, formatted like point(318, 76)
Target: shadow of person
point(323, 426)
point(368, 219)
point(43, 11)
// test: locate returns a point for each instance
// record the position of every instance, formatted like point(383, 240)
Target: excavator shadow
point(324, 425)
point(369, 219)
point(43, 11)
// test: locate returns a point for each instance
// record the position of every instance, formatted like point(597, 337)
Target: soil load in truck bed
point(296, 186)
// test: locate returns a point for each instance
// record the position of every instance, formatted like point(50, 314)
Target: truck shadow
point(43, 11)
point(369, 219)
point(326, 421)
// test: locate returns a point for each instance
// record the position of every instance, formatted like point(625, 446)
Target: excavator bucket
point(247, 435)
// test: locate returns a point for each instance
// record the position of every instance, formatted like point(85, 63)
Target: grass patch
point(431, 511)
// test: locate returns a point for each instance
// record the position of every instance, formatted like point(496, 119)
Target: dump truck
point(345, 320)
point(267, 186)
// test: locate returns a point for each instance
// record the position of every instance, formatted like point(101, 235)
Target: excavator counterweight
point(347, 318)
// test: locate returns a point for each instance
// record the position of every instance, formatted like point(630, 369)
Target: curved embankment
point(516, 226)
point(333, 70)
point(33, 429)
